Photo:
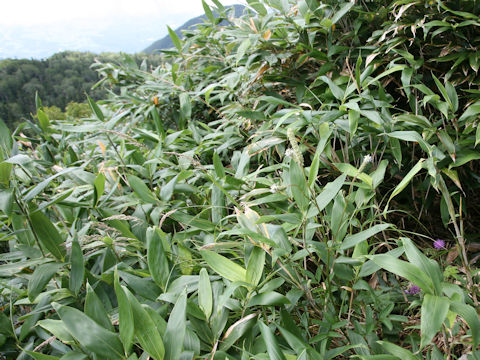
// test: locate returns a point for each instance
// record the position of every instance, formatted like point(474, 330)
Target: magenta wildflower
point(413, 290)
point(439, 244)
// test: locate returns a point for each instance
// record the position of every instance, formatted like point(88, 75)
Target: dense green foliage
point(274, 190)
point(62, 78)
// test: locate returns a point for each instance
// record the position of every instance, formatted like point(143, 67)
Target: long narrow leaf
point(405, 270)
point(434, 311)
point(223, 266)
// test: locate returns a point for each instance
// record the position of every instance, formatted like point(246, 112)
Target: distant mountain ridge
point(166, 42)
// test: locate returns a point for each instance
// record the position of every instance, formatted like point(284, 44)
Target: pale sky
point(39, 28)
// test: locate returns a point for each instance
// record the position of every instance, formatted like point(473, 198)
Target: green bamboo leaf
point(273, 349)
point(447, 142)
point(5, 325)
point(43, 120)
point(77, 271)
point(465, 156)
point(40, 278)
point(218, 204)
point(418, 120)
point(185, 108)
point(6, 141)
point(217, 163)
point(336, 352)
point(298, 186)
point(160, 323)
point(208, 11)
point(255, 265)
point(353, 172)
point(166, 192)
point(413, 171)
point(357, 72)
point(205, 298)
point(443, 91)
point(242, 49)
point(145, 330)
point(470, 315)
point(157, 258)
point(74, 355)
point(237, 330)
point(185, 259)
point(58, 329)
point(396, 151)
point(38, 101)
point(175, 39)
point(89, 334)
point(297, 344)
point(330, 191)
point(223, 266)
point(373, 115)
point(397, 351)
point(140, 285)
point(353, 117)
point(18, 266)
point(30, 321)
point(434, 311)
point(379, 174)
point(95, 310)
point(472, 110)
point(277, 101)
point(47, 234)
point(40, 356)
point(352, 240)
point(477, 136)
point(95, 109)
point(453, 175)
point(120, 225)
point(125, 315)
point(324, 131)
point(258, 7)
point(219, 5)
point(406, 79)
point(411, 136)
point(344, 8)
point(141, 190)
point(158, 122)
point(176, 328)
point(404, 269)
point(452, 95)
point(269, 298)
point(193, 221)
point(6, 201)
point(41, 186)
point(98, 188)
point(428, 266)
point(312, 175)
point(385, 73)
point(5, 172)
point(334, 88)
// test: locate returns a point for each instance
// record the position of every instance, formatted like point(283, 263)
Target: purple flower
point(413, 290)
point(439, 244)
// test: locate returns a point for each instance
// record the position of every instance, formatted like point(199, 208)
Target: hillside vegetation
point(302, 184)
point(60, 79)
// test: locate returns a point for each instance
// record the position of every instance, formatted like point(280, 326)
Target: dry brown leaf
point(267, 34)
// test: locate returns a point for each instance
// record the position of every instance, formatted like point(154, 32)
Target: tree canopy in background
point(301, 184)
point(62, 78)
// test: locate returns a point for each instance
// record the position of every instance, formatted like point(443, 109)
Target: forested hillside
point(62, 78)
point(299, 184)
